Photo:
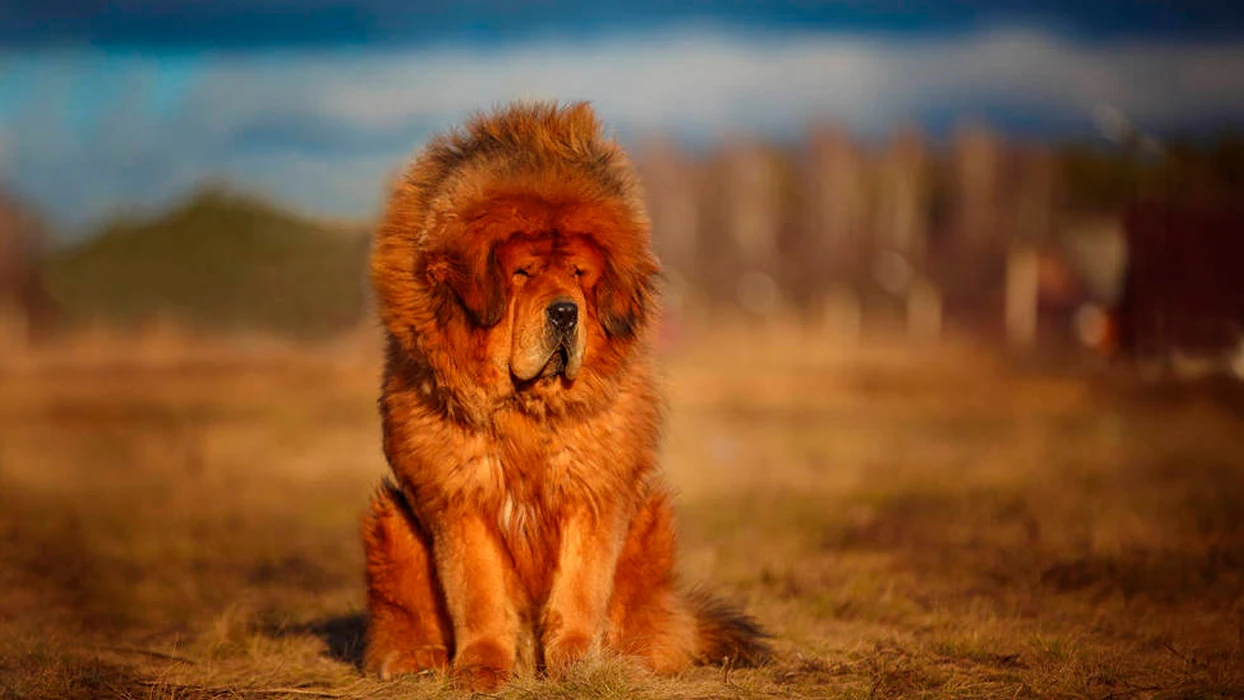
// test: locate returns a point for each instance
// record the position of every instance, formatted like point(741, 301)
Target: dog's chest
point(536, 489)
point(535, 503)
point(518, 516)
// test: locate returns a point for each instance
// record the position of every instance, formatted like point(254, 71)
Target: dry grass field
point(178, 521)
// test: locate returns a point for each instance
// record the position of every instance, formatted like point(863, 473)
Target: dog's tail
point(728, 636)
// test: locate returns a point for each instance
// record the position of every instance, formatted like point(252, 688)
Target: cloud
point(319, 126)
point(705, 81)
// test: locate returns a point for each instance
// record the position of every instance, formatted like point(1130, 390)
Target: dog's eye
point(579, 272)
point(522, 272)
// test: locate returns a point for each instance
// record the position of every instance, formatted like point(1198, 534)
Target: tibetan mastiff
point(527, 525)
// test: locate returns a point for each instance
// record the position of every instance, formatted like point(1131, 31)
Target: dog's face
point(534, 282)
point(551, 278)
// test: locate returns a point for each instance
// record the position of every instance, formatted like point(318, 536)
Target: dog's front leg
point(473, 570)
point(574, 616)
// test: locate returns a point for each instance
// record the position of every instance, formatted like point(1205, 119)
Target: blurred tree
point(219, 261)
point(27, 313)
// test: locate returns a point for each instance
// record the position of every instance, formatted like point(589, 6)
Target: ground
point(181, 521)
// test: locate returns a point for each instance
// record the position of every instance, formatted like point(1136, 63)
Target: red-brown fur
point(528, 525)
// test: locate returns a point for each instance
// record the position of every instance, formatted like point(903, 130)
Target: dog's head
point(543, 286)
point(517, 262)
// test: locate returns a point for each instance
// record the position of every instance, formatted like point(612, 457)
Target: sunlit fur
point(527, 525)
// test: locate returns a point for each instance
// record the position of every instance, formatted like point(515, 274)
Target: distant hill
point(219, 261)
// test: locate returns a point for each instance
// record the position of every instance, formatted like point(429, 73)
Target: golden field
point(179, 519)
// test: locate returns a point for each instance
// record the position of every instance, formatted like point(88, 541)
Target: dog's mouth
point(562, 363)
point(558, 359)
point(557, 363)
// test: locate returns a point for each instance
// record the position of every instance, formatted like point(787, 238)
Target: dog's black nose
point(563, 315)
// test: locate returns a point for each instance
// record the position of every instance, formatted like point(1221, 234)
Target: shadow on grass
point(344, 636)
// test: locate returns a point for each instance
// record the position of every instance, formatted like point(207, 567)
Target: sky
point(120, 107)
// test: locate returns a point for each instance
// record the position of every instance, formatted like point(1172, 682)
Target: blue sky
point(122, 106)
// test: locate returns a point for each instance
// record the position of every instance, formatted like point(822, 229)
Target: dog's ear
point(625, 296)
point(472, 282)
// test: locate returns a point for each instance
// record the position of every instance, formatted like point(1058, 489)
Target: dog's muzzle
point(563, 321)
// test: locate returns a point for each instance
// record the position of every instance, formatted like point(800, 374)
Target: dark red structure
point(1184, 285)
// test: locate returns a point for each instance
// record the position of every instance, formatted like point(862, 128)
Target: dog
point(526, 525)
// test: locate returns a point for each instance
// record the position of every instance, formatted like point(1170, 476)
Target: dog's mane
point(542, 148)
point(531, 151)
point(528, 138)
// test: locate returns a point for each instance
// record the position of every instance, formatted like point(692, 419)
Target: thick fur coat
point(527, 525)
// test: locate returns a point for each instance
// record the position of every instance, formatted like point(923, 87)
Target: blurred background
point(952, 336)
point(1062, 174)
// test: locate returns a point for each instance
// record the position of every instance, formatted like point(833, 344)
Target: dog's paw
point(561, 652)
point(482, 667)
point(417, 660)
